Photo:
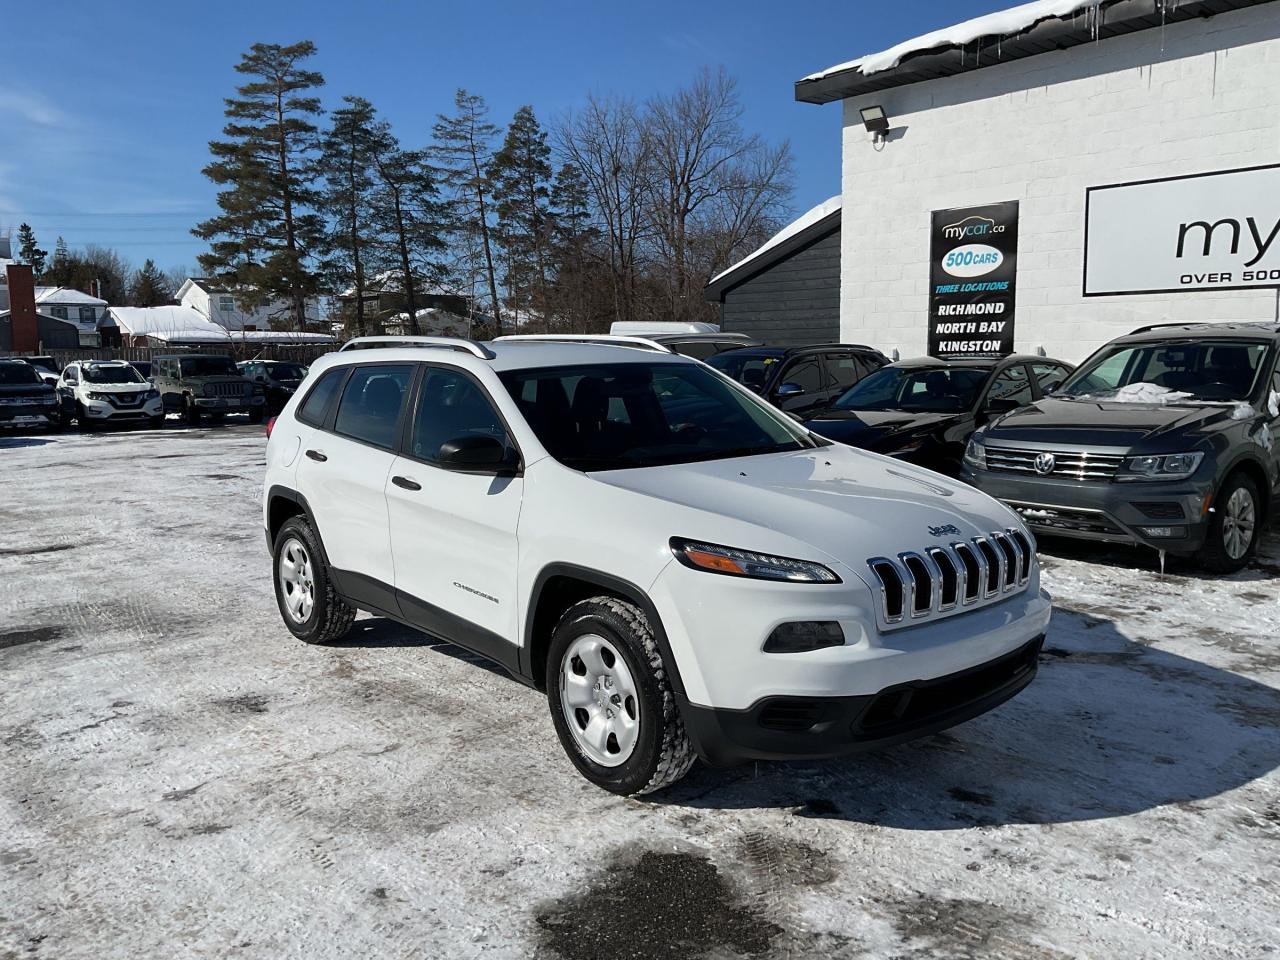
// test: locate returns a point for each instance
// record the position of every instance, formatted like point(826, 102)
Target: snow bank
point(824, 209)
point(1003, 23)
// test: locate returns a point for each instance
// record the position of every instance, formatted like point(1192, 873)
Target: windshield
point(749, 369)
point(18, 373)
point(617, 416)
point(1213, 370)
point(121, 374)
point(287, 371)
point(44, 363)
point(922, 389)
point(208, 367)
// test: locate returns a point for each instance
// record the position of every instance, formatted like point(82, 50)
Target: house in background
point(37, 330)
point(89, 314)
point(786, 292)
point(172, 326)
point(222, 305)
point(436, 306)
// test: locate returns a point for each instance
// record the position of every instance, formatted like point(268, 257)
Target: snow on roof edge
point(1003, 23)
point(801, 223)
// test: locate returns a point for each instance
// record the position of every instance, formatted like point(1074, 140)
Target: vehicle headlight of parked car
point(106, 397)
point(151, 395)
point(975, 453)
point(1169, 466)
point(743, 563)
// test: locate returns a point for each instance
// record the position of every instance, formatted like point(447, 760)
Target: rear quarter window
point(315, 408)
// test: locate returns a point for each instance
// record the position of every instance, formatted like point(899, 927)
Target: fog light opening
point(1163, 533)
point(804, 635)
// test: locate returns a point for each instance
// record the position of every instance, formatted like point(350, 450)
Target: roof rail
point(448, 343)
point(600, 339)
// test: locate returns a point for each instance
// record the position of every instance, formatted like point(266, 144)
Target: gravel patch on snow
point(179, 777)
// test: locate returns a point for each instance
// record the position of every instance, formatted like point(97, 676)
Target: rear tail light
point(271, 425)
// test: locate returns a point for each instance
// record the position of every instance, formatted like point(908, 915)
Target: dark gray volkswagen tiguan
point(1168, 437)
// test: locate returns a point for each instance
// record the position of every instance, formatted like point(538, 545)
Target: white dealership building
point(1057, 174)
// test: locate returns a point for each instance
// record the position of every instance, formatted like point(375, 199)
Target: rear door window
point(1049, 376)
point(844, 370)
point(806, 373)
point(371, 402)
point(1012, 384)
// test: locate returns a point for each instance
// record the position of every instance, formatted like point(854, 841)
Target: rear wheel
point(1235, 525)
point(309, 605)
point(611, 701)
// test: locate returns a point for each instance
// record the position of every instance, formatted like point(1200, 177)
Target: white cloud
point(31, 107)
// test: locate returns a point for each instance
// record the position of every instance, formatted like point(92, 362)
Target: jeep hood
point(846, 503)
point(1107, 423)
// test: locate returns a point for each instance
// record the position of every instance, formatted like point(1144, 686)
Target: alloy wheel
point(1238, 522)
point(600, 702)
point(297, 583)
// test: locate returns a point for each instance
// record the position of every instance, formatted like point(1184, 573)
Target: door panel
point(453, 533)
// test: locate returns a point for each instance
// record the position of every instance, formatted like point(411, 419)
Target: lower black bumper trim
point(781, 728)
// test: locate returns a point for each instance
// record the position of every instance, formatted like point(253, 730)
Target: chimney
point(24, 326)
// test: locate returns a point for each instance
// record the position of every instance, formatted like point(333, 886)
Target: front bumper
point(778, 728)
point(106, 410)
point(1109, 511)
point(230, 404)
point(28, 415)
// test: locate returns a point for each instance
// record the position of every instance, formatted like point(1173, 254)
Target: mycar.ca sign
point(1209, 231)
point(973, 259)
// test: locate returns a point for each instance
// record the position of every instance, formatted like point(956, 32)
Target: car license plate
point(26, 418)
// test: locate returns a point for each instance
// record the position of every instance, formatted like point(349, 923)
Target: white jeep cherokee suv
point(97, 391)
point(684, 569)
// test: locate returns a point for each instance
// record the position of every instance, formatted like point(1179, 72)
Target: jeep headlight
point(729, 561)
point(975, 452)
point(1166, 466)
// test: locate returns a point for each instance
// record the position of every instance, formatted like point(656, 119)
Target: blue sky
point(106, 110)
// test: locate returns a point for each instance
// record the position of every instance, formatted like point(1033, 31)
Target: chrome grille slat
point(914, 585)
point(1078, 464)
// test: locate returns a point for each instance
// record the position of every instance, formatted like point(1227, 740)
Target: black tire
point(1214, 556)
point(156, 422)
point(255, 415)
point(330, 617)
point(190, 412)
point(83, 422)
point(662, 753)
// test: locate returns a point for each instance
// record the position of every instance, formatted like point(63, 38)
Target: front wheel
point(190, 412)
point(1234, 527)
point(156, 422)
point(255, 415)
point(611, 701)
point(311, 608)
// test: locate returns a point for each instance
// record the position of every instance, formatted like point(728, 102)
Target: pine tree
point(265, 237)
point(57, 272)
point(28, 252)
point(149, 287)
point(347, 162)
point(411, 216)
point(520, 173)
point(572, 238)
point(462, 152)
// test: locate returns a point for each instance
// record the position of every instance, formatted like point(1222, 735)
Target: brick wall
point(1189, 98)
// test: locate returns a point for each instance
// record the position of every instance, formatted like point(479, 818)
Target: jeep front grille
point(944, 579)
point(1071, 464)
point(226, 389)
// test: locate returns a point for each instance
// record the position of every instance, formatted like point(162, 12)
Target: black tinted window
point(844, 369)
point(1049, 376)
point(452, 406)
point(699, 350)
point(371, 401)
point(18, 373)
point(1013, 385)
point(315, 409)
point(807, 374)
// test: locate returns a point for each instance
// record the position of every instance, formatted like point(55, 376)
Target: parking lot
point(180, 777)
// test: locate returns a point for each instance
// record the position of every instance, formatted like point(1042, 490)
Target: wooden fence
point(238, 350)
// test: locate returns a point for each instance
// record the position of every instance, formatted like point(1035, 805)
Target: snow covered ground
point(180, 778)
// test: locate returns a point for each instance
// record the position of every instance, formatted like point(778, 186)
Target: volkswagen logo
point(1044, 464)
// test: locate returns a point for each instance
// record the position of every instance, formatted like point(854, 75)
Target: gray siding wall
point(794, 302)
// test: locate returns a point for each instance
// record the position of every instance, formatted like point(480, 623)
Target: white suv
point(684, 569)
point(97, 391)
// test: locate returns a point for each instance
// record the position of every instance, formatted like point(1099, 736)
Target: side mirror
point(475, 453)
point(789, 390)
point(1000, 405)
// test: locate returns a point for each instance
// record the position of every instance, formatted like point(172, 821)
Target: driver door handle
point(317, 456)
point(406, 484)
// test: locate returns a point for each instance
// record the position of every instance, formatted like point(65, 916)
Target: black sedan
point(923, 411)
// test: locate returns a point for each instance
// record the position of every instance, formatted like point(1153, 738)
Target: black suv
point(800, 379)
point(924, 410)
point(279, 378)
point(1166, 437)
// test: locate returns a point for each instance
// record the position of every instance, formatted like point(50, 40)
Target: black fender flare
point(281, 492)
point(611, 584)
